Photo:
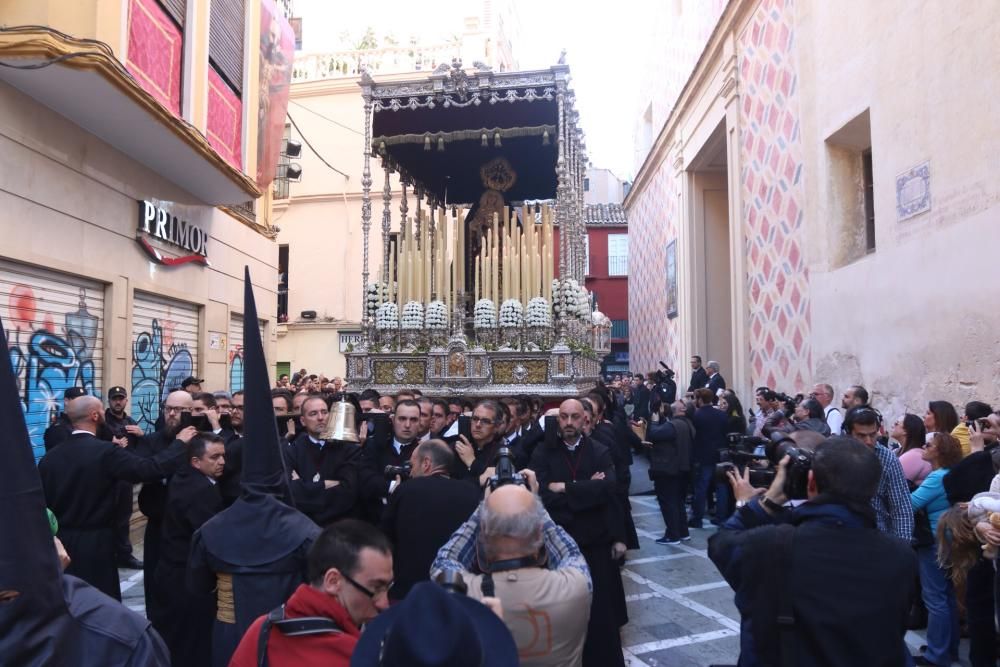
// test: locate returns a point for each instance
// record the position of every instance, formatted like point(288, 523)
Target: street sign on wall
point(349, 338)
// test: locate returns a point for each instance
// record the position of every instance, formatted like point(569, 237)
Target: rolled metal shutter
point(177, 10)
point(235, 352)
point(55, 333)
point(225, 41)
point(164, 352)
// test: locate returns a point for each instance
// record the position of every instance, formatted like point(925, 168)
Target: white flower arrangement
point(413, 316)
point(387, 317)
point(437, 315)
point(539, 314)
point(599, 319)
point(581, 305)
point(511, 314)
point(485, 314)
point(374, 293)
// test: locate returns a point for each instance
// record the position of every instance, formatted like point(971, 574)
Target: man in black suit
point(576, 480)
point(476, 458)
point(440, 422)
point(716, 383)
point(80, 477)
point(699, 378)
point(423, 513)
point(324, 473)
point(384, 449)
point(710, 428)
point(640, 398)
point(193, 498)
point(123, 430)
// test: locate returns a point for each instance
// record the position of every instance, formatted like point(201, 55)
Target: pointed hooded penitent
point(263, 464)
point(259, 527)
point(34, 620)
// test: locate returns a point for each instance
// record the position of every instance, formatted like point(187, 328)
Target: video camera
point(762, 456)
point(789, 403)
point(506, 472)
point(403, 471)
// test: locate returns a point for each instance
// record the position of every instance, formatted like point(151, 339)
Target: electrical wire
point(46, 63)
point(326, 118)
point(312, 148)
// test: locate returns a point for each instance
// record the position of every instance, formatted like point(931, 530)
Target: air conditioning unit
point(308, 314)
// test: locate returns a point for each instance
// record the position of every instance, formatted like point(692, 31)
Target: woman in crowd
point(731, 405)
point(941, 417)
point(941, 452)
point(910, 433)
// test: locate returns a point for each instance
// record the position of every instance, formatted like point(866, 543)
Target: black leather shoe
point(130, 563)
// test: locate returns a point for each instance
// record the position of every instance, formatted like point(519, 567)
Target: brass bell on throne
point(340, 425)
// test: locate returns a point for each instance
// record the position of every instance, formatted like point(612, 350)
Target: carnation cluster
point(387, 316)
point(413, 316)
point(539, 314)
point(436, 316)
point(511, 314)
point(485, 314)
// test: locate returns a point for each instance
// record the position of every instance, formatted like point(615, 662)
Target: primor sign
point(159, 223)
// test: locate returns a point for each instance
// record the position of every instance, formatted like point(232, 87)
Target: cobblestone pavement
point(681, 612)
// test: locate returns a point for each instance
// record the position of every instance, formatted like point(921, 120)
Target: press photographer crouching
point(511, 549)
point(818, 584)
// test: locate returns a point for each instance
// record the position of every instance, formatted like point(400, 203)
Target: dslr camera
point(403, 471)
point(506, 473)
point(762, 456)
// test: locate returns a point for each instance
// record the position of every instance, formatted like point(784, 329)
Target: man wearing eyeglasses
point(324, 472)
point(350, 573)
point(153, 496)
point(477, 457)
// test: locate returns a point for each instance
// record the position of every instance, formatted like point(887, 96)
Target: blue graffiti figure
point(147, 369)
point(51, 366)
point(154, 374)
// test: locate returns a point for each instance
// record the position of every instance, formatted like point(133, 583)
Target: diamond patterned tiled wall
point(773, 193)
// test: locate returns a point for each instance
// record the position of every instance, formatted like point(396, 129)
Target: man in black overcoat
point(476, 459)
point(324, 473)
point(193, 497)
point(576, 479)
point(80, 478)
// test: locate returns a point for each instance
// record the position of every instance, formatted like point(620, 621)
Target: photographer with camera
point(423, 512)
point(512, 549)
point(817, 584)
point(478, 453)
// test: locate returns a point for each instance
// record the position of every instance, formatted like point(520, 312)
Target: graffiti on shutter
point(236, 350)
point(164, 352)
point(55, 335)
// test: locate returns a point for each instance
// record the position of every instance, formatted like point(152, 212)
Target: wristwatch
point(770, 504)
point(740, 504)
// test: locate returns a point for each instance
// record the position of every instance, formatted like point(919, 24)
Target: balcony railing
point(618, 265)
point(388, 60)
point(599, 266)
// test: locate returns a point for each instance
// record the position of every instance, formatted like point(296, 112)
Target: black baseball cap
point(189, 380)
point(74, 392)
point(116, 392)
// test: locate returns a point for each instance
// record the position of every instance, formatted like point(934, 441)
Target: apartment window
point(283, 283)
point(586, 255)
point(617, 254)
point(619, 329)
point(225, 41)
point(869, 191)
point(281, 176)
point(586, 185)
point(850, 184)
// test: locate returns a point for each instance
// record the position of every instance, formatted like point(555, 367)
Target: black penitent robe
point(80, 478)
point(334, 461)
point(257, 548)
point(186, 622)
point(589, 511)
point(152, 503)
point(621, 453)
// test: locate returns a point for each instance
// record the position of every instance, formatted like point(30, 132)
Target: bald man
point(153, 496)
point(536, 569)
point(576, 479)
point(79, 479)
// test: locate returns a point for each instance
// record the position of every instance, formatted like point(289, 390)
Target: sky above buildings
point(606, 45)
